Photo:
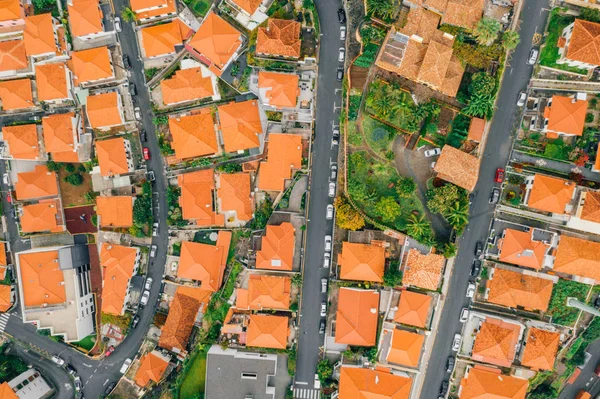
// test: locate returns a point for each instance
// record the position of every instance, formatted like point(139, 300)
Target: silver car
point(323, 285)
point(433, 152)
point(153, 251)
point(331, 191)
point(456, 342)
point(329, 214)
point(125, 365)
point(145, 298)
point(138, 113)
point(342, 33)
point(522, 99)
point(342, 54)
point(327, 243)
point(323, 309)
point(533, 55)
point(326, 260)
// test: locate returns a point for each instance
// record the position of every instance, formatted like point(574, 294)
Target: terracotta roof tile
point(566, 115)
point(186, 85)
point(194, 135)
point(405, 348)
point(476, 129)
point(363, 262)
point(464, 13)
point(519, 248)
point(540, 349)
point(85, 17)
point(59, 135)
point(240, 125)
point(235, 194)
point(280, 38)
point(458, 167)
point(551, 194)
point(578, 257)
point(485, 382)
point(5, 301)
point(250, 6)
point(280, 89)
point(152, 367)
point(267, 331)
point(118, 264)
point(356, 317)
point(413, 309)
point(268, 292)
point(12, 55)
point(435, 64)
point(41, 279)
point(112, 158)
point(91, 65)
point(583, 395)
point(496, 342)
point(104, 110)
point(590, 210)
point(584, 45)
point(38, 183)
point(277, 249)
point(41, 217)
point(153, 8)
point(196, 198)
point(11, 10)
point(115, 211)
point(513, 289)
point(16, 94)
point(22, 141)
point(284, 155)
point(159, 40)
point(423, 271)
point(205, 263)
point(39, 35)
point(361, 383)
point(51, 82)
point(3, 256)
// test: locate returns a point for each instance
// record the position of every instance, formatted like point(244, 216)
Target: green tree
point(230, 168)
point(262, 214)
point(481, 106)
point(482, 84)
point(54, 166)
point(383, 103)
point(388, 209)
point(417, 226)
point(406, 187)
point(486, 31)
point(69, 167)
point(346, 217)
point(511, 39)
point(74, 179)
point(324, 370)
point(458, 215)
point(590, 14)
point(142, 210)
point(129, 15)
point(449, 250)
point(441, 199)
point(392, 276)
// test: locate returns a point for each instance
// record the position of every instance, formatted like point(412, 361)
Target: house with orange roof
point(45, 216)
point(53, 82)
point(21, 142)
point(152, 10)
point(457, 167)
point(549, 194)
point(36, 184)
point(540, 350)
point(105, 111)
point(463, 13)
point(61, 136)
point(578, 257)
point(12, 13)
point(40, 36)
point(520, 290)
point(565, 116)
point(5, 259)
point(194, 135)
point(579, 45)
point(265, 292)
point(216, 43)
point(163, 40)
point(279, 39)
point(266, 331)
point(423, 271)
point(13, 58)
point(482, 381)
point(581, 394)
point(249, 13)
point(362, 262)
point(586, 214)
point(278, 90)
point(152, 369)
point(283, 157)
point(382, 383)
point(16, 94)
point(402, 347)
point(205, 263)
point(356, 317)
point(91, 67)
point(189, 85)
point(197, 198)
point(277, 248)
point(476, 129)
point(115, 211)
point(496, 341)
point(241, 125)
point(114, 157)
point(119, 264)
point(413, 309)
point(235, 198)
point(7, 297)
point(55, 290)
point(85, 20)
point(521, 248)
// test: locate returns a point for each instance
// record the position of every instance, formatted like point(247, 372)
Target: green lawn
point(558, 309)
point(198, 7)
point(354, 135)
point(549, 54)
point(87, 343)
point(193, 382)
point(379, 136)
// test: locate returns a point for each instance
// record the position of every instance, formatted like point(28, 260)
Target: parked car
point(456, 342)
point(327, 243)
point(341, 16)
point(450, 364)
point(329, 214)
point(478, 248)
point(154, 229)
point(143, 136)
point(5, 179)
point(323, 285)
point(58, 360)
point(522, 99)
point(444, 388)
point(148, 283)
point(342, 33)
point(331, 191)
point(110, 388)
point(597, 369)
point(533, 55)
point(499, 178)
point(333, 174)
point(109, 351)
point(153, 251)
point(433, 152)
point(495, 195)
point(470, 290)
point(322, 327)
point(476, 268)
point(323, 309)
point(126, 62)
point(145, 298)
point(117, 23)
point(70, 369)
point(8, 197)
point(150, 175)
point(597, 302)
point(138, 113)
point(335, 140)
point(132, 89)
point(125, 365)
point(147, 153)
point(135, 321)
point(326, 260)
point(340, 74)
point(341, 54)
point(464, 315)
point(78, 384)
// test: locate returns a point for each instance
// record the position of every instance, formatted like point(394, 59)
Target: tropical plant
point(510, 40)
point(406, 187)
point(482, 84)
point(129, 15)
point(486, 31)
point(458, 215)
point(441, 199)
point(384, 103)
point(388, 209)
point(417, 226)
point(449, 250)
point(481, 106)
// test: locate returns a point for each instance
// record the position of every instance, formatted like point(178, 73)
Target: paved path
point(563, 167)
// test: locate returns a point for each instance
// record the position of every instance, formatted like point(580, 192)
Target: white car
point(323, 309)
point(153, 251)
point(433, 152)
point(145, 298)
point(456, 342)
point(125, 365)
point(333, 171)
point(154, 229)
point(323, 285)
point(327, 243)
point(329, 214)
point(118, 24)
point(5, 179)
point(470, 290)
point(522, 99)
point(335, 139)
point(326, 260)
point(464, 315)
point(148, 283)
point(331, 191)
point(58, 360)
point(342, 33)
point(533, 55)
point(342, 54)
point(138, 113)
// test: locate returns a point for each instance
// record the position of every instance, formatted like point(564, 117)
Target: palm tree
point(458, 215)
point(383, 103)
point(417, 226)
point(128, 15)
point(486, 31)
point(510, 40)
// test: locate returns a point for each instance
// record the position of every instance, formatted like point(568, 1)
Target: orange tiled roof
point(277, 249)
point(194, 135)
point(3, 256)
point(159, 40)
point(496, 342)
point(583, 395)
point(91, 65)
point(39, 35)
point(476, 129)
point(186, 85)
point(115, 211)
point(39, 183)
point(269, 292)
point(356, 317)
point(550, 194)
point(540, 349)
point(284, 155)
point(281, 89)
point(566, 115)
point(196, 198)
point(363, 262)
point(280, 38)
point(41, 279)
point(118, 264)
point(22, 141)
point(360, 383)
point(217, 41)
point(235, 195)
point(512, 289)
point(12, 55)
point(112, 158)
point(205, 263)
point(590, 210)
point(585, 42)
point(457, 167)
point(465, 13)
point(265, 331)
point(240, 125)
point(423, 271)
point(519, 248)
point(41, 217)
point(405, 348)
point(485, 382)
point(250, 6)
point(16, 94)
point(5, 300)
point(144, 10)
point(413, 309)
point(152, 367)
point(58, 133)
point(85, 17)
point(51, 82)
point(11, 10)
point(103, 110)
point(578, 257)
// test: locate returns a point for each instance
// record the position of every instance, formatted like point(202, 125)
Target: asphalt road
point(587, 380)
point(328, 97)
point(96, 375)
point(497, 152)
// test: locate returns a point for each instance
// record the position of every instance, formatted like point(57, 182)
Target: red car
point(109, 352)
point(499, 175)
point(146, 153)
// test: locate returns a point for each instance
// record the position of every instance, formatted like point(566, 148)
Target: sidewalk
point(562, 167)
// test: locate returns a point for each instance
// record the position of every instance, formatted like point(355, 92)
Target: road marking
point(306, 393)
point(4, 321)
point(105, 382)
point(87, 365)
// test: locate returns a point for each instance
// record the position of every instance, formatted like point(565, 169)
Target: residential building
point(188, 85)
point(357, 382)
point(278, 90)
point(277, 248)
point(36, 184)
point(549, 194)
point(12, 17)
point(30, 385)
point(519, 290)
point(523, 248)
point(16, 95)
point(194, 135)
point(586, 215)
point(356, 317)
point(241, 126)
point(266, 331)
point(579, 45)
point(265, 292)
point(85, 19)
point(476, 129)
point(362, 262)
point(578, 257)
point(14, 59)
point(462, 13)
point(61, 136)
point(423, 271)
point(481, 381)
point(21, 142)
point(279, 39)
point(115, 211)
point(153, 10)
point(541, 347)
point(496, 341)
point(197, 198)
point(405, 348)
point(7, 296)
point(114, 157)
point(44, 216)
point(216, 43)
point(53, 82)
point(55, 290)
point(283, 157)
point(457, 167)
point(413, 309)
point(235, 198)
point(6, 391)
point(565, 116)
point(5, 259)
point(163, 39)
point(104, 111)
point(40, 37)
point(249, 13)
point(92, 67)
point(205, 263)
point(152, 369)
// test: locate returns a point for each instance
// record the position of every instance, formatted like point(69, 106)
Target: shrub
point(392, 276)
point(54, 166)
point(74, 179)
point(346, 216)
point(589, 118)
point(230, 168)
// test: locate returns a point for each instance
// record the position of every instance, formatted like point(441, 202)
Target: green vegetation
point(392, 275)
point(150, 73)
point(482, 91)
point(142, 211)
point(452, 202)
point(227, 290)
point(558, 309)
point(262, 214)
point(379, 136)
point(10, 366)
point(346, 216)
point(325, 372)
point(194, 372)
point(368, 56)
point(87, 343)
point(354, 135)
point(174, 214)
point(45, 6)
point(382, 9)
point(354, 106)
point(459, 131)
point(557, 149)
point(510, 39)
point(165, 145)
point(486, 31)
point(120, 321)
point(549, 54)
point(229, 167)
point(74, 179)
point(128, 15)
point(199, 7)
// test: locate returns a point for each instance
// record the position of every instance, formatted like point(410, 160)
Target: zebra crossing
point(305, 393)
point(4, 321)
